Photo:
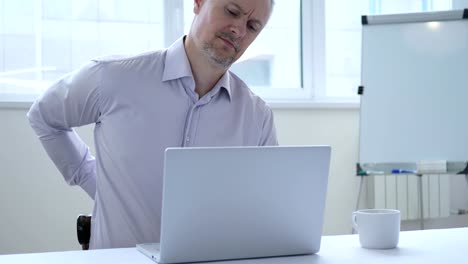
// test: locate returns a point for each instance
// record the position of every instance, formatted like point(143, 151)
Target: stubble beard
point(223, 61)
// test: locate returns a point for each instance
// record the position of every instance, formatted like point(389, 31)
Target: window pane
point(40, 40)
point(274, 58)
point(343, 36)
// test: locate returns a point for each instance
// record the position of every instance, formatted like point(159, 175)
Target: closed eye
point(232, 12)
point(254, 27)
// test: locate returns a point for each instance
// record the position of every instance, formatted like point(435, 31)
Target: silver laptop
point(241, 202)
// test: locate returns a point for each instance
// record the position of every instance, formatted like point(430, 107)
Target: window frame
point(312, 94)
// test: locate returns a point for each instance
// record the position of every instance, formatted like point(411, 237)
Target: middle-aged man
point(140, 105)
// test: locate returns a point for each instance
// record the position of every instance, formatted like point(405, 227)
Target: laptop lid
point(242, 202)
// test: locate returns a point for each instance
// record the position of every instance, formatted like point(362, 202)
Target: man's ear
point(197, 6)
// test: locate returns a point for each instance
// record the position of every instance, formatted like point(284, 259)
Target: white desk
point(427, 246)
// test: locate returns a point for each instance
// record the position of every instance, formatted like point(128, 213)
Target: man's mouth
point(229, 42)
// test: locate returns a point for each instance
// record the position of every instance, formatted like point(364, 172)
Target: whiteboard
point(414, 75)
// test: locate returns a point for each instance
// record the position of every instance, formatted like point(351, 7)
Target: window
point(309, 50)
point(40, 40)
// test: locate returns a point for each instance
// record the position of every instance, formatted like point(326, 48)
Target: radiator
point(401, 192)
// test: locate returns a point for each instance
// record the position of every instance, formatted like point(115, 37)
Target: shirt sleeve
point(269, 130)
point(72, 101)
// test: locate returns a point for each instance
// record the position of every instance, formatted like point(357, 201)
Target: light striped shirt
point(140, 105)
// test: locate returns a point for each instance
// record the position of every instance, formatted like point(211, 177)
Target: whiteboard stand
point(421, 202)
point(413, 93)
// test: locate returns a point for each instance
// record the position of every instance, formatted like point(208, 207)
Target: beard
point(214, 55)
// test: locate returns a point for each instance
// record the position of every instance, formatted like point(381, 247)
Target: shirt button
point(187, 139)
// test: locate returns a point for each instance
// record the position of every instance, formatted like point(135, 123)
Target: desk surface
point(428, 246)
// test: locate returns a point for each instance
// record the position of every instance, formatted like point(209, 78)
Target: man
point(181, 96)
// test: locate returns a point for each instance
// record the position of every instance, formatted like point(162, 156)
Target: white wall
point(338, 128)
point(38, 210)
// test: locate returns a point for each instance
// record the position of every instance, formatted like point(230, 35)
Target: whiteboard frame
point(398, 19)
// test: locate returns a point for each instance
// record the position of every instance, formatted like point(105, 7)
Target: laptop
point(226, 203)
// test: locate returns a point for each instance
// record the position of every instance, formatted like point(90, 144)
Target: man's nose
point(238, 28)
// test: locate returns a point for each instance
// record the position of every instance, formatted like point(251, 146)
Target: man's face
point(224, 29)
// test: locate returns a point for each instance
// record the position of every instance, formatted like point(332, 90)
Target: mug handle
point(353, 220)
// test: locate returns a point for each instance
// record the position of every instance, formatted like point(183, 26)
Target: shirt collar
point(177, 66)
point(176, 63)
point(224, 82)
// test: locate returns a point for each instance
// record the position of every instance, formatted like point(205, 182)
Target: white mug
point(377, 228)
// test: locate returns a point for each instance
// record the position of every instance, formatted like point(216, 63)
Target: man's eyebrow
point(246, 13)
